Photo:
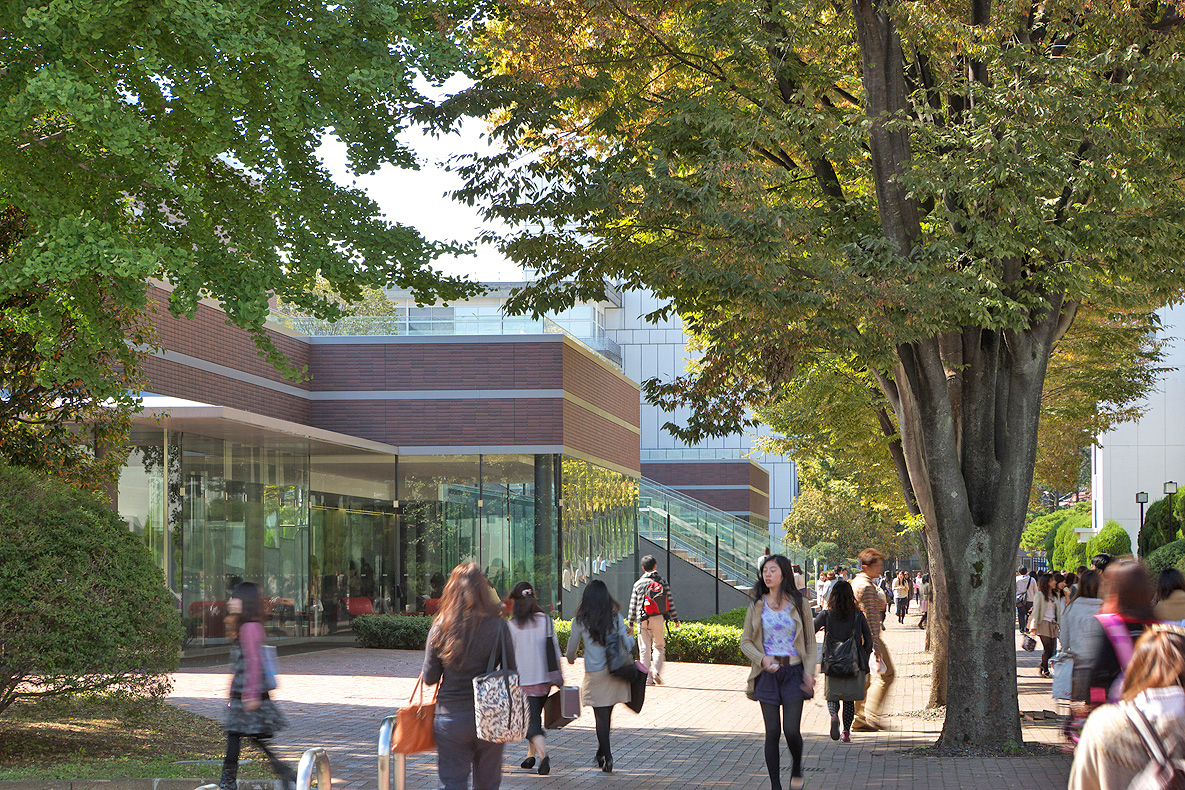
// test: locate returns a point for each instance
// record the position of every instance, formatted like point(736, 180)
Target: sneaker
point(650, 681)
point(846, 737)
point(657, 678)
point(835, 727)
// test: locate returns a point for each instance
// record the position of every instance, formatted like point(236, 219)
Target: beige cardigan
point(1110, 752)
point(753, 643)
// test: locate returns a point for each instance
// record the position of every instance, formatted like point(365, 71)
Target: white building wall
point(1143, 455)
point(659, 349)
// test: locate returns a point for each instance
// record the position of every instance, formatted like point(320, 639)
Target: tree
point(927, 192)
point(82, 606)
point(838, 517)
point(151, 140)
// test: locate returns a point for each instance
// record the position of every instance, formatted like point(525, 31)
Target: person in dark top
point(468, 629)
point(1127, 594)
point(841, 619)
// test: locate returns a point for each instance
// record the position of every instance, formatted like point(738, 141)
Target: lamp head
point(1170, 487)
point(1142, 497)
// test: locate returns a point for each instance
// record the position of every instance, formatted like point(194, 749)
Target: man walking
point(1026, 593)
point(872, 602)
point(651, 607)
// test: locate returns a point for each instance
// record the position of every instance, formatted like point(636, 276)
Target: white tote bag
point(498, 701)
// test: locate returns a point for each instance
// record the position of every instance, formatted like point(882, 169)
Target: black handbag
point(840, 657)
point(621, 661)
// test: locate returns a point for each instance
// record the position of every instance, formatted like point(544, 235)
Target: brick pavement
point(698, 730)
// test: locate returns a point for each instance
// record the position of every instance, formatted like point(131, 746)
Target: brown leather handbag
point(413, 723)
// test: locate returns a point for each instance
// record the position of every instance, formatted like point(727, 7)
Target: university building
point(407, 444)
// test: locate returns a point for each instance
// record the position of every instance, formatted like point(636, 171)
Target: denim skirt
point(781, 687)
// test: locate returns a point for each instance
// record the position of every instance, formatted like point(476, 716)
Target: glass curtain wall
point(599, 534)
point(244, 518)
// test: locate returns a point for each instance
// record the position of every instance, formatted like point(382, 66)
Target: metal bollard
point(392, 766)
point(313, 760)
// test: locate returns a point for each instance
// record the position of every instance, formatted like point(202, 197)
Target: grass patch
point(107, 736)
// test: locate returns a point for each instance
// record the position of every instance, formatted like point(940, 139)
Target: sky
point(417, 197)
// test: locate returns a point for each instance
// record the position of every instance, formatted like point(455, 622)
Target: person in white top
point(1026, 591)
point(530, 628)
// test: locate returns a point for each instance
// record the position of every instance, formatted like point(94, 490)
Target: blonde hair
point(1158, 660)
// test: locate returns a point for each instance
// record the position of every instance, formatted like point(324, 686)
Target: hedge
point(700, 643)
point(391, 631)
point(1167, 556)
point(735, 617)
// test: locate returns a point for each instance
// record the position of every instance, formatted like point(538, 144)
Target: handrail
point(392, 772)
point(313, 760)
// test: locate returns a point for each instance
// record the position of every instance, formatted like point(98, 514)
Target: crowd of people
point(1113, 641)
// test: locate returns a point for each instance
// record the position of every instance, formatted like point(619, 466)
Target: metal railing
point(724, 545)
point(392, 765)
point(583, 332)
point(314, 761)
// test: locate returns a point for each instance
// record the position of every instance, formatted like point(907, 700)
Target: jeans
point(652, 632)
point(459, 750)
point(1022, 616)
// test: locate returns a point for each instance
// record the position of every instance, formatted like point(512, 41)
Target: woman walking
point(251, 713)
point(1046, 620)
point(1170, 597)
point(901, 594)
point(468, 630)
point(597, 621)
point(780, 642)
point(840, 621)
point(1076, 619)
point(1105, 647)
point(530, 627)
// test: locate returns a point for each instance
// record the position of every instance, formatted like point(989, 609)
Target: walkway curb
point(131, 784)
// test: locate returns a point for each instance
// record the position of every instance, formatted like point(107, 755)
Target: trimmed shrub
point(1167, 556)
point(83, 608)
point(1112, 539)
point(735, 618)
point(705, 643)
point(1159, 528)
point(391, 631)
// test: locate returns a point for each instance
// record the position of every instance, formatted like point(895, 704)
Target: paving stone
point(697, 730)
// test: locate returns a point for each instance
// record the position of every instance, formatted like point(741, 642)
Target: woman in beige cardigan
point(1111, 752)
point(779, 640)
point(1045, 622)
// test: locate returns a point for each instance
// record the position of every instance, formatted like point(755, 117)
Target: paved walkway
point(698, 730)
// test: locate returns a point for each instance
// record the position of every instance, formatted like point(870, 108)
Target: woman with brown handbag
point(468, 629)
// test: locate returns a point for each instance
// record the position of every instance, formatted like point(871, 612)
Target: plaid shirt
point(872, 603)
point(638, 597)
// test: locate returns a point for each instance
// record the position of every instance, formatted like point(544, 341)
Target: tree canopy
point(179, 141)
point(927, 192)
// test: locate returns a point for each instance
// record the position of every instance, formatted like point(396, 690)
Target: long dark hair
point(760, 590)
point(596, 611)
point(1088, 585)
point(248, 593)
point(1127, 591)
point(842, 601)
point(1045, 585)
point(525, 604)
point(465, 602)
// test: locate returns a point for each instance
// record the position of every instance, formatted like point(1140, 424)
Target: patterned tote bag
point(498, 701)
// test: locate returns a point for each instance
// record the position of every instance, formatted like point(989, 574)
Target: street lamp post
point(1170, 488)
point(1142, 498)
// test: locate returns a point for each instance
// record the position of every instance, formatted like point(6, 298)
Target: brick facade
point(737, 486)
point(570, 398)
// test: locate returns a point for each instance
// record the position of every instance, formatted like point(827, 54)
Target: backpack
point(1165, 770)
point(655, 599)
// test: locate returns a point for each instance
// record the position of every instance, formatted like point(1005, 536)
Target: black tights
point(790, 726)
point(230, 765)
point(849, 712)
point(1049, 644)
point(602, 717)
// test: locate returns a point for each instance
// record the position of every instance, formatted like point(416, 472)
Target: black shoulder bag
point(840, 659)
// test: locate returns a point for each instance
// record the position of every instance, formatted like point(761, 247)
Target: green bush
point(735, 618)
point(1159, 528)
point(1167, 556)
point(83, 608)
point(391, 631)
point(705, 643)
point(1112, 539)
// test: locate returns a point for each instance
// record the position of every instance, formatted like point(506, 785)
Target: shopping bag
point(562, 707)
point(413, 723)
point(499, 704)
